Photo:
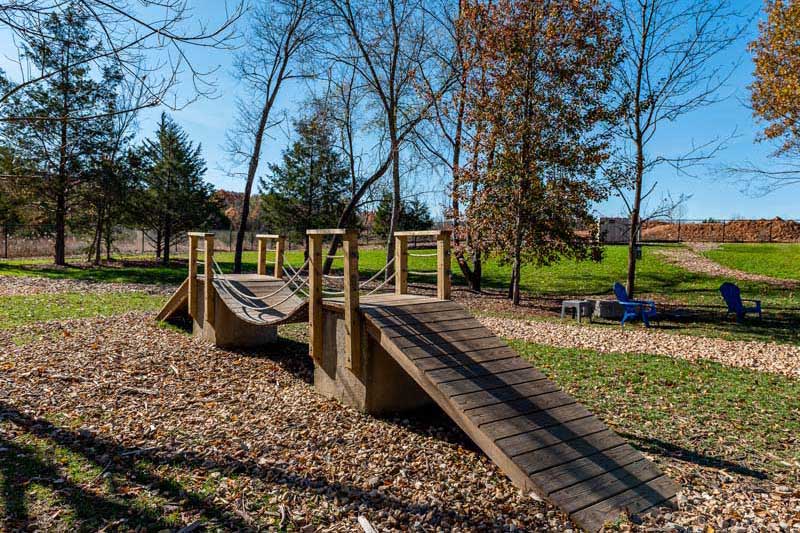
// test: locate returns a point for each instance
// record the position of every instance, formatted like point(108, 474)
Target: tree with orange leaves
point(536, 103)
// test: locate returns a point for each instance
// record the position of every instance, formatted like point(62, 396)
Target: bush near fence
point(763, 230)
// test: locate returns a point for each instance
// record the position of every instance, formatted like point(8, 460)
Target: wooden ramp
point(276, 308)
point(541, 437)
point(177, 302)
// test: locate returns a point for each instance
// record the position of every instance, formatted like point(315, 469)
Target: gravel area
point(764, 356)
point(252, 445)
point(691, 260)
point(27, 286)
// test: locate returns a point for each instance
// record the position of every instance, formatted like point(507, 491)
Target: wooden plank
point(477, 370)
point(565, 452)
point(460, 360)
point(586, 467)
point(463, 339)
point(352, 322)
point(280, 251)
point(421, 233)
point(208, 272)
point(320, 232)
point(200, 234)
point(261, 263)
point(400, 264)
point(192, 285)
point(611, 483)
point(176, 301)
point(543, 437)
point(518, 391)
point(490, 381)
point(526, 415)
point(406, 329)
point(443, 265)
point(634, 501)
point(414, 318)
point(498, 347)
point(315, 326)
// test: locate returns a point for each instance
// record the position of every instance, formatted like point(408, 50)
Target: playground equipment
point(378, 348)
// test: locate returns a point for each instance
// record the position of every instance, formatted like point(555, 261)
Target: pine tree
point(174, 196)
point(52, 131)
point(310, 186)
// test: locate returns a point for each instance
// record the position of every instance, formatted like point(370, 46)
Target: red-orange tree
point(536, 103)
point(776, 88)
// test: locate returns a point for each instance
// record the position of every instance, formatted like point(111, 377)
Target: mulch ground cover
point(118, 424)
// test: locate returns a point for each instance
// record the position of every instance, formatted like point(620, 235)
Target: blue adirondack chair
point(644, 309)
point(733, 297)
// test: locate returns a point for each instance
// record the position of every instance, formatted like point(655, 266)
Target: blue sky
point(713, 194)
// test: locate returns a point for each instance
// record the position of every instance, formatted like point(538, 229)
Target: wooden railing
point(208, 272)
point(280, 250)
point(442, 260)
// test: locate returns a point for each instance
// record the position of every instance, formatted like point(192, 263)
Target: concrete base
point(380, 386)
point(228, 330)
point(608, 309)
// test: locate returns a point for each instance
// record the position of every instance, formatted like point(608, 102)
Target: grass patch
point(775, 260)
point(22, 310)
point(703, 412)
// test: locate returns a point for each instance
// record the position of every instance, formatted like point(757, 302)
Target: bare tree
point(148, 39)
point(386, 43)
point(281, 32)
point(671, 68)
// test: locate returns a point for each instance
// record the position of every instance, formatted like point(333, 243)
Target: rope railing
point(425, 273)
point(379, 287)
point(377, 274)
point(231, 289)
point(432, 254)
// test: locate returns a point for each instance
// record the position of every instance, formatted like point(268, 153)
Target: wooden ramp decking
point(287, 308)
point(179, 301)
point(540, 436)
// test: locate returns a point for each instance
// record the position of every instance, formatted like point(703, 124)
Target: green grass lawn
point(21, 310)
point(656, 279)
point(775, 260)
point(730, 418)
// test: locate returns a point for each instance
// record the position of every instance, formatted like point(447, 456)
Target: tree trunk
point(158, 244)
point(167, 240)
point(61, 223)
point(635, 218)
point(97, 243)
point(396, 199)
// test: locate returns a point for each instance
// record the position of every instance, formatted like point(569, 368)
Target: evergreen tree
point(174, 197)
point(52, 130)
point(310, 186)
point(414, 215)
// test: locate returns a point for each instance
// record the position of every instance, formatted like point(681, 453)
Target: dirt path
point(692, 260)
point(764, 356)
point(27, 286)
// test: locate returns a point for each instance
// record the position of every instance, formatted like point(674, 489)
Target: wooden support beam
point(443, 265)
point(315, 295)
point(208, 267)
point(352, 326)
point(334, 231)
point(193, 275)
point(280, 250)
point(261, 265)
point(400, 263)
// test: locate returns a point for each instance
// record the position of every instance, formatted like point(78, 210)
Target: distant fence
point(37, 241)
point(706, 230)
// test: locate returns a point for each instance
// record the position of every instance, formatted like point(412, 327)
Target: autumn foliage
point(776, 89)
point(535, 103)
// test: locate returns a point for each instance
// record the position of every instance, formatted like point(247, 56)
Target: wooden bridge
point(538, 435)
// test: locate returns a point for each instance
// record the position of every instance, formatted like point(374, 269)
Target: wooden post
point(443, 265)
point(315, 295)
point(352, 327)
point(401, 264)
point(261, 268)
point(208, 268)
point(280, 249)
point(192, 275)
